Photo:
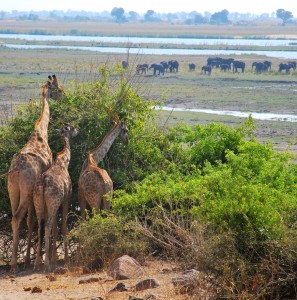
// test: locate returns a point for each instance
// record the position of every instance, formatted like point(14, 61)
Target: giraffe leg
point(30, 223)
point(65, 229)
point(40, 242)
point(16, 221)
point(48, 229)
point(54, 243)
point(83, 205)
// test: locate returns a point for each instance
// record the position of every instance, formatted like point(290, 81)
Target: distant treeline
point(118, 14)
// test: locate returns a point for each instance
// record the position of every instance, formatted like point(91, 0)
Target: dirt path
point(74, 284)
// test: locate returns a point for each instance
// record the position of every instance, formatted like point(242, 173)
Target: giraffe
point(94, 183)
point(52, 190)
point(57, 90)
point(33, 159)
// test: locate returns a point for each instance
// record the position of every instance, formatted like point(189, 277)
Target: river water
point(157, 51)
point(147, 40)
point(154, 51)
point(256, 116)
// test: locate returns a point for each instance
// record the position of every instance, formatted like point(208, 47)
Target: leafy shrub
point(105, 238)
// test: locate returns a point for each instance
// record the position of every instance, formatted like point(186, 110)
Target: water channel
point(155, 51)
point(256, 116)
point(148, 40)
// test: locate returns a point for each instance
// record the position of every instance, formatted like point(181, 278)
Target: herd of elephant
point(224, 64)
point(158, 68)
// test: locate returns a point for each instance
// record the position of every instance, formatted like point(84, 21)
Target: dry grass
point(160, 29)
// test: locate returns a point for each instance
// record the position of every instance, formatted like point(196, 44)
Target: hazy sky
point(141, 6)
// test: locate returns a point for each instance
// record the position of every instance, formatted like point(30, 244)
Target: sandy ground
point(29, 285)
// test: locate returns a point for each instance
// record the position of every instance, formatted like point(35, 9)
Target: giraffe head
point(55, 90)
point(124, 129)
point(68, 131)
point(124, 132)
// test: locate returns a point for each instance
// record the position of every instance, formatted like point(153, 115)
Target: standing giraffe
point(53, 189)
point(33, 159)
point(94, 183)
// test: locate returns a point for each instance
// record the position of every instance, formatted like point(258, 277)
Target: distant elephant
point(227, 61)
point(268, 64)
point(142, 68)
point(293, 64)
point(215, 63)
point(206, 70)
point(210, 60)
point(192, 67)
point(158, 68)
point(125, 64)
point(238, 64)
point(285, 67)
point(254, 65)
point(173, 66)
point(260, 67)
point(165, 65)
point(225, 67)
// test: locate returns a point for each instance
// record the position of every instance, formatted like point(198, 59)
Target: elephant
point(238, 64)
point(165, 65)
point(158, 68)
point(293, 64)
point(192, 67)
point(260, 67)
point(227, 61)
point(210, 60)
point(125, 64)
point(215, 63)
point(142, 68)
point(254, 65)
point(285, 67)
point(268, 64)
point(206, 70)
point(225, 67)
point(173, 66)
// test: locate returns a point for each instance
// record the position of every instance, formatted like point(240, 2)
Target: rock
point(125, 267)
point(120, 287)
point(51, 277)
point(97, 298)
point(36, 290)
point(151, 297)
point(92, 279)
point(145, 284)
point(146, 297)
point(187, 282)
point(27, 289)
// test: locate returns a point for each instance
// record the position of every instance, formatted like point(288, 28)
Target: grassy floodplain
point(263, 29)
point(23, 72)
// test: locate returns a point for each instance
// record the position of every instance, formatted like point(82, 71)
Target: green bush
point(105, 238)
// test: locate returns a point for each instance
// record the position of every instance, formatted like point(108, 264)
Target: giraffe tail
point(39, 203)
point(9, 172)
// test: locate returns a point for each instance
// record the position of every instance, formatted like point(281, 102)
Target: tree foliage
point(284, 15)
point(118, 13)
point(220, 17)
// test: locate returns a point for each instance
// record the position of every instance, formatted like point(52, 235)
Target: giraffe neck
point(96, 155)
point(42, 123)
point(99, 152)
point(63, 157)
